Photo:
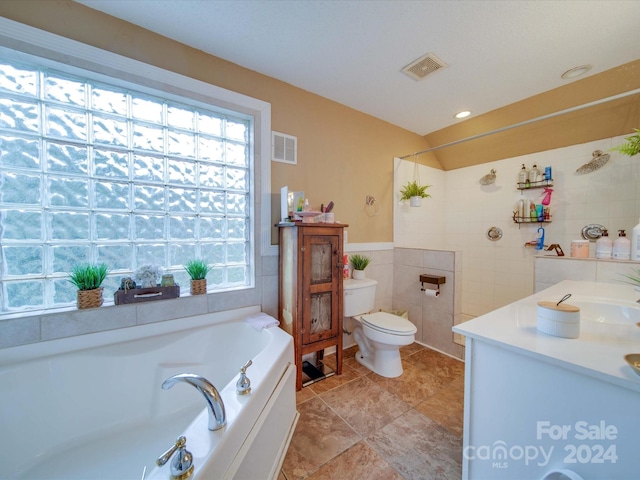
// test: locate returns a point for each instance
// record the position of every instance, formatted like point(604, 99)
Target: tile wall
point(433, 316)
point(380, 269)
point(551, 270)
point(462, 211)
point(397, 272)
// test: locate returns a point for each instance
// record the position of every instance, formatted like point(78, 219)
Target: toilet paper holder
point(432, 280)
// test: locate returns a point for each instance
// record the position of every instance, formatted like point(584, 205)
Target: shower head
point(489, 178)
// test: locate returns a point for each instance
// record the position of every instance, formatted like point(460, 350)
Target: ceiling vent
point(420, 68)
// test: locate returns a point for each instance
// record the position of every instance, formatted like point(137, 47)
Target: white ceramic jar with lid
point(558, 319)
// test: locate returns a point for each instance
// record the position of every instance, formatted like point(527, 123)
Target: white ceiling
point(498, 52)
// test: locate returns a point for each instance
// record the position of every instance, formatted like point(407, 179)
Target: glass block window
point(98, 172)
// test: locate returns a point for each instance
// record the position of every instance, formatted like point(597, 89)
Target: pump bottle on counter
point(621, 247)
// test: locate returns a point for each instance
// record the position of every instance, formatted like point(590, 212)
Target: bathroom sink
point(608, 312)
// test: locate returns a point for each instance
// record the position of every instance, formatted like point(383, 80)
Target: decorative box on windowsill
point(137, 295)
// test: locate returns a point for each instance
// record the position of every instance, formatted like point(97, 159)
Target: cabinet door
point(321, 308)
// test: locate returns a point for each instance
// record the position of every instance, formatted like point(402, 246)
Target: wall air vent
point(284, 148)
point(423, 66)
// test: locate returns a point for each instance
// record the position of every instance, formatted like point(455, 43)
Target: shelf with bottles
point(534, 178)
point(530, 220)
point(544, 183)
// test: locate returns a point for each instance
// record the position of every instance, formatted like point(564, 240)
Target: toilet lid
point(389, 323)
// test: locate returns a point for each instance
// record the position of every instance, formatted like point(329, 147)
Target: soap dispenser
point(523, 176)
point(622, 247)
point(604, 245)
point(534, 173)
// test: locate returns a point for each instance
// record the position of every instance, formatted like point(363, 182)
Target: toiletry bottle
point(521, 212)
point(604, 245)
point(345, 266)
point(533, 215)
point(523, 175)
point(635, 242)
point(533, 174)
point(621, 247)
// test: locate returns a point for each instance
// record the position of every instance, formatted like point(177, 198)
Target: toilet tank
point(359, 296)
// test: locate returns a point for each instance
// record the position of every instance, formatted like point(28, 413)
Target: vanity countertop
point(608, 330)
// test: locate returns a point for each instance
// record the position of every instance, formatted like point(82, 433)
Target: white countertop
point(598, 352)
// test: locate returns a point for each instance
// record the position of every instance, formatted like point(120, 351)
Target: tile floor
point(360, 425)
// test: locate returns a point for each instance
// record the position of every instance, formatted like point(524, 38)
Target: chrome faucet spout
point(215, 405)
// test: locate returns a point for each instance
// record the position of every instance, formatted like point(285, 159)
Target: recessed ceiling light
point(463, 114)
point(576, 72)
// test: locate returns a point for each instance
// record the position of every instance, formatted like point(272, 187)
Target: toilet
point(379, 335)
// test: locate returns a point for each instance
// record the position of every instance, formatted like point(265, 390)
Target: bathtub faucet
point(217, 416)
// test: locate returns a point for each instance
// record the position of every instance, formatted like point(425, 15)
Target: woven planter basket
point(198, 287)
point(90, 298)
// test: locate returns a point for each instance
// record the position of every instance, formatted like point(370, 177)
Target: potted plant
point(197, 270)
point(632, 145)
point(87, 278)
point(414, 192)
point(359, 263)
point(634, 278)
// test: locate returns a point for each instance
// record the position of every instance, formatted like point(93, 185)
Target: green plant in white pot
point(414, 192)
point(359, 263)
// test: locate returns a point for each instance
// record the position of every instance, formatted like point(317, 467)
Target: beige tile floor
point(360, 425)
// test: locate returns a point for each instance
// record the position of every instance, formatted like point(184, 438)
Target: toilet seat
point(388, 323)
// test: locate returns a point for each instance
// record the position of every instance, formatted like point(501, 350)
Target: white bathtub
point(91, 407)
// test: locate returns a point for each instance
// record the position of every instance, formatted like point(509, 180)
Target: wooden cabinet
point(310, 293)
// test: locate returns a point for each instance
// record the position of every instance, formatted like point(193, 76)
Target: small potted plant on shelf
point(359, 263)
point(88, 279)
point(197, 270)
point(631, 146)
point(414, 192)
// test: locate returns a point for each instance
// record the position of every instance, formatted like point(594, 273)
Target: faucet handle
point(243, 385)
point(182, 463)
point(243, 369)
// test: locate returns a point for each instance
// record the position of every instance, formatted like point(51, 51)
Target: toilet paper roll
point(431, 293)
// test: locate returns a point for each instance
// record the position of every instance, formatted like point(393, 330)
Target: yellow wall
point(343, 154)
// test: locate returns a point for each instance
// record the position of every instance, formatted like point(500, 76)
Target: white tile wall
point(551, 270)
point(458, 217)
point(419, 227)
